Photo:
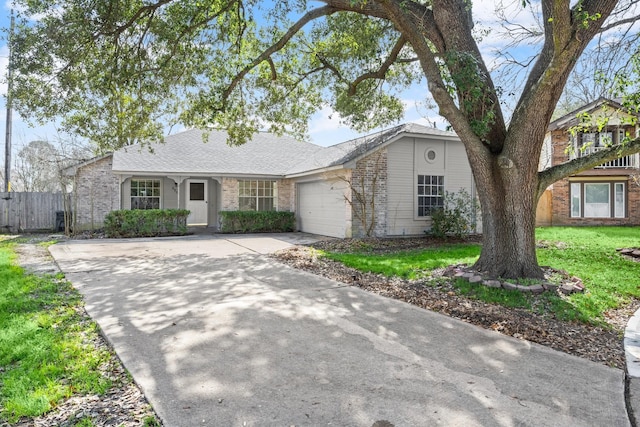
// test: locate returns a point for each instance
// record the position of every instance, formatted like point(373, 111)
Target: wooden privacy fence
point(20, 212)
point(544, 211)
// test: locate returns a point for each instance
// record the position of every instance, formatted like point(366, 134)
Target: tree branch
point(581, 164)
point(148, 9)
point(281, 43)
point(631, 20)
point(329, 66)
point(381, 72)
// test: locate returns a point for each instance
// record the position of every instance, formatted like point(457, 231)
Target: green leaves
point(119, 73)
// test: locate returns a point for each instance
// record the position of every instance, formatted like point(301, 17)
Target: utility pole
point(7, 136)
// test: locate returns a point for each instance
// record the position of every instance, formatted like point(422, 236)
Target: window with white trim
point(598, 199)
point(257, 195)
point(604, 138)
point(430, 194)
point(145, 194)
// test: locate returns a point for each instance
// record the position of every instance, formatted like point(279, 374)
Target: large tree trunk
point(508, 196)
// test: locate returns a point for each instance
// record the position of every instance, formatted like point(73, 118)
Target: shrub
point(457, 217)
point(257, 222)
point(146, 223)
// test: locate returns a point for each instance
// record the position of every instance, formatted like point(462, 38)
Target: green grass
point(586, 252)
point(590, 253)
point(410, 264)
point(46, 350)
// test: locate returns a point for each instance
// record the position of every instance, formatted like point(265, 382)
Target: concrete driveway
point(217, 334)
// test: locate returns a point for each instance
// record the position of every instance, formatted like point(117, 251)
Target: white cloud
point(326, 128)
point(327, 119)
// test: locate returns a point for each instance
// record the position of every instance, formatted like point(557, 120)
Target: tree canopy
point(118, 71)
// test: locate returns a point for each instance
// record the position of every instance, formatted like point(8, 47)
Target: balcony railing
point(623, 162)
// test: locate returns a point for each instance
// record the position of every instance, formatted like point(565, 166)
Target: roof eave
point(316, 171)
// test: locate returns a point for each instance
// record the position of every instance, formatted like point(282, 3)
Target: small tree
point(36, 168)
point(458, 216)
point(364, 184)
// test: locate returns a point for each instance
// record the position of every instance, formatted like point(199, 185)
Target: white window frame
point(616, 195)
point(255, 192)
point(620, 206)
point(592, 208)
point(145, 188)
point(576, 199)
point(425, 194)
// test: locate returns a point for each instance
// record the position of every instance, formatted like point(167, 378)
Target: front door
point(197, 201)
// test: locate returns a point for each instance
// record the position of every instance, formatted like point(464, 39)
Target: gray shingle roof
point(186, 152)
point(265, 154)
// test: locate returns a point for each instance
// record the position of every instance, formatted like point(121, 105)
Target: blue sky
point(325, 128)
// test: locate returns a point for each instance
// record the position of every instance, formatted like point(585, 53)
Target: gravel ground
point(599, 344)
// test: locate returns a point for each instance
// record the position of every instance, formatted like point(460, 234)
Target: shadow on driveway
point(218, 338)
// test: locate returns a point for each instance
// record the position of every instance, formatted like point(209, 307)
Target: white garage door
point(322, 208)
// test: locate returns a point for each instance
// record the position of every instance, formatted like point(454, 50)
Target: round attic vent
point(430, 155)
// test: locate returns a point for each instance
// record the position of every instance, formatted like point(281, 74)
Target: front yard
point(588, 324)
point(55, 367)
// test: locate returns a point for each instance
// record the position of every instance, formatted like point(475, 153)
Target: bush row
point(257, 222)
point(146, 223)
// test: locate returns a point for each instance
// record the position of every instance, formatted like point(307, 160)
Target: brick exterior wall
point(561, 201)
point(96, 194)
point(371, 169)
point(286, 196)
point(229, 194)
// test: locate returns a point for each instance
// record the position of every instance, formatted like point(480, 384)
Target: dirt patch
point(598, 344)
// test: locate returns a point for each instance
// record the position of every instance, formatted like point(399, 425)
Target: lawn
point(47, 350)
point(586, 252)
point(45, 346)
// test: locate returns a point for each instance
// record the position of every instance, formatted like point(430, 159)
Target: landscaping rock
point(536, 289)
point(567, 288)
point(510, 286)
point(475, 279)
point(492, 283)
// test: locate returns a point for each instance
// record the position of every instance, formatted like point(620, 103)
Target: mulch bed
point(599, 344)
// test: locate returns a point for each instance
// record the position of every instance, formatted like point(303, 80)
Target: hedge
point(146, 223)
point(257, 222)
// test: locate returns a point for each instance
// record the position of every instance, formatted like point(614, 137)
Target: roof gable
point(602, 107)
point(355, 149)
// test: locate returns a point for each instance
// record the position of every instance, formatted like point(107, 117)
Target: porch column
point(178, 180)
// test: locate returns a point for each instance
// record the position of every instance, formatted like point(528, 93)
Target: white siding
point(407, 158)
point(322, 208)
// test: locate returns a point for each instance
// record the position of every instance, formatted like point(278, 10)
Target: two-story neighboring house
point(608, 194)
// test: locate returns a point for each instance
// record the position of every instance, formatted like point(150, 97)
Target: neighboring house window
point(145, 194)
point(600, 139)
point(430, 194)
point(598, 199)
point(257, 195)
point(587, 143)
